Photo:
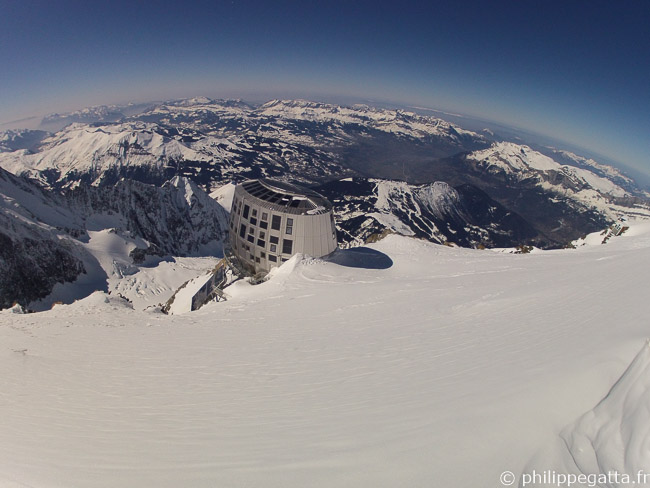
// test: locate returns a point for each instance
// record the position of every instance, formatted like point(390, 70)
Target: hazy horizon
point(573, 71)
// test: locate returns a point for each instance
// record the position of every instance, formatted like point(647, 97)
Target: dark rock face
point(35, 254)
point(176, 219)
point(30, 267)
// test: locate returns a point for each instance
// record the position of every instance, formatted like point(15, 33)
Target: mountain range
point(151, 167)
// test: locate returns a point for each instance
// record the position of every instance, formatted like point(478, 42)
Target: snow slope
point(445, 369)
point(612, 438)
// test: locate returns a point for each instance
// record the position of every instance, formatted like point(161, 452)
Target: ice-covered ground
point(445, 369)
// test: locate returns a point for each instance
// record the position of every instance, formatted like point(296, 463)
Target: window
point(276, 222)
point(251, 239)
point(251, 230)
point(253, 221)
point(284, 260)
point(257, 260)
point(274, 240)
point(246, 210)
point(265, 216)
point(232, 224)
point(263, 255)
point(273, 248)
point(287, 246)
point(273, 258)
point(289, 227)
point(261, 243)
point(262, 234)
point(242, 231)
point(254, 212)
point(264, 225)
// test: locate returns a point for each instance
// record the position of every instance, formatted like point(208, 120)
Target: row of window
point(257, 235)
point(252, 216)
point(276, 223)
point(257, 259)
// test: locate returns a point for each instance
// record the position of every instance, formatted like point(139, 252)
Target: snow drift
point(610, 441)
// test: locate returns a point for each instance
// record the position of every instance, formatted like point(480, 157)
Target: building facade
point(270, 221)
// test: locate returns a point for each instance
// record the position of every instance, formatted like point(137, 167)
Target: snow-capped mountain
point(464, 216)
point(89, 234)
point(177, 218)
point(609, 172)
point(152, 153)
point(91, 115)
point(398, 122)
point(599, 193)
point(14, 140)
point(213, 142)
point(521, 163)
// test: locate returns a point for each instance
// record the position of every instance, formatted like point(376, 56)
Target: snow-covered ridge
point(610, 438)
point(36, 248)
point(438, 197)
point(14, 140)
point(512, 158)
point(607, 171)
point(399, 122)
point(93, 150)
point(520, 162)
point(465, 216)
point(213, 142)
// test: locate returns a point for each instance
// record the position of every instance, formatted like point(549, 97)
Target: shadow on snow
point(360, 257)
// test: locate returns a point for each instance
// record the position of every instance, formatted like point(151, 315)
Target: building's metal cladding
point(270, 221)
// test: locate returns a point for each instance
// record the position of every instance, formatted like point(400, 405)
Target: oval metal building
point(270, 221)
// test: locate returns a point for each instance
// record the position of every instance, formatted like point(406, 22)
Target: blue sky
point(575, 70)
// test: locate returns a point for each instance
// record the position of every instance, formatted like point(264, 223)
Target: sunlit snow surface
point(445, 369)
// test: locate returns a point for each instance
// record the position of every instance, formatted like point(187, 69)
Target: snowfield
point(446, 368)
